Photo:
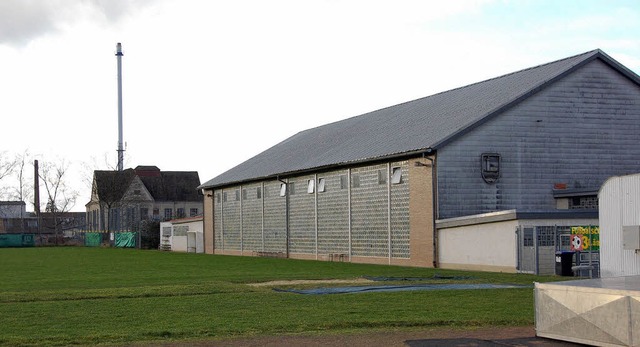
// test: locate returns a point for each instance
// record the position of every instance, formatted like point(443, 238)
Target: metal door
point(191, 242)
point(527, 255)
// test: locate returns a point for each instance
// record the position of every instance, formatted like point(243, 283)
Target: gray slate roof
point(424, 124)
point(162, 185)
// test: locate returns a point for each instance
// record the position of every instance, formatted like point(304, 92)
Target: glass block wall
point(302, 216)
point(252, 217)
point(362, 212)
point(333, 213)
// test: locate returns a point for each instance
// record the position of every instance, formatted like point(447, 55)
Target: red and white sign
point(576, 242)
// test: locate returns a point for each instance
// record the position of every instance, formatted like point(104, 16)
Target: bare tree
point(88, 168)
point(21, 191)
point(107, 189)
point(60, 196)
point(7, 166)
point(24, 190)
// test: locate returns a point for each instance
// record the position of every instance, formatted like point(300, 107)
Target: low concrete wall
point(479, 247)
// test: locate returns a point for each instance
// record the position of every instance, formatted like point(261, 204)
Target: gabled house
point(489, 176)
point(120, 200)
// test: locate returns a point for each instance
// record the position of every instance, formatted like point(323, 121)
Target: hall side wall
point(361, 214)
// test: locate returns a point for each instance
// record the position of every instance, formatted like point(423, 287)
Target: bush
point(150, 235)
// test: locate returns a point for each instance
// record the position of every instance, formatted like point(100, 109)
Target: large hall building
point(484, 176)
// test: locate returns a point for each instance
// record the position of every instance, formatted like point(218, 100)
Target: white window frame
point(311, 186)
point(396, 175)
point(321, 185)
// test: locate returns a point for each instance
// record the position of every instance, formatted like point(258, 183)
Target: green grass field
point(74, 295)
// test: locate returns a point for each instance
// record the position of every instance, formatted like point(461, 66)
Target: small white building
point(620, 224)
point(182, 235)
point(510, 241)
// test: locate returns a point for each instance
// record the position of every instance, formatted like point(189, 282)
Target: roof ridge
point(520, 71)
point(533, 88)
point(191, 171)
point(497, 77)
point(591, 52)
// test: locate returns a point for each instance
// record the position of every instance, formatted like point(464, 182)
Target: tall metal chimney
point(119, 55)
point(36, 192)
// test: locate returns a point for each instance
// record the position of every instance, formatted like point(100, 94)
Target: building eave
point(324, 168)
point(511, 215)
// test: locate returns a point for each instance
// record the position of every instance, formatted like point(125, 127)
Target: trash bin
point(564, 261)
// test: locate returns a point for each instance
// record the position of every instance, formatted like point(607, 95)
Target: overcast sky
point(208, 84)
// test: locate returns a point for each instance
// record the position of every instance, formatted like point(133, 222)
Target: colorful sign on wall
point(585, 238)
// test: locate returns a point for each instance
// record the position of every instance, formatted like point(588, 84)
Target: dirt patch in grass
point(298, 282)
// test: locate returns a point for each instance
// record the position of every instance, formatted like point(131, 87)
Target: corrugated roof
point(418, 125)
